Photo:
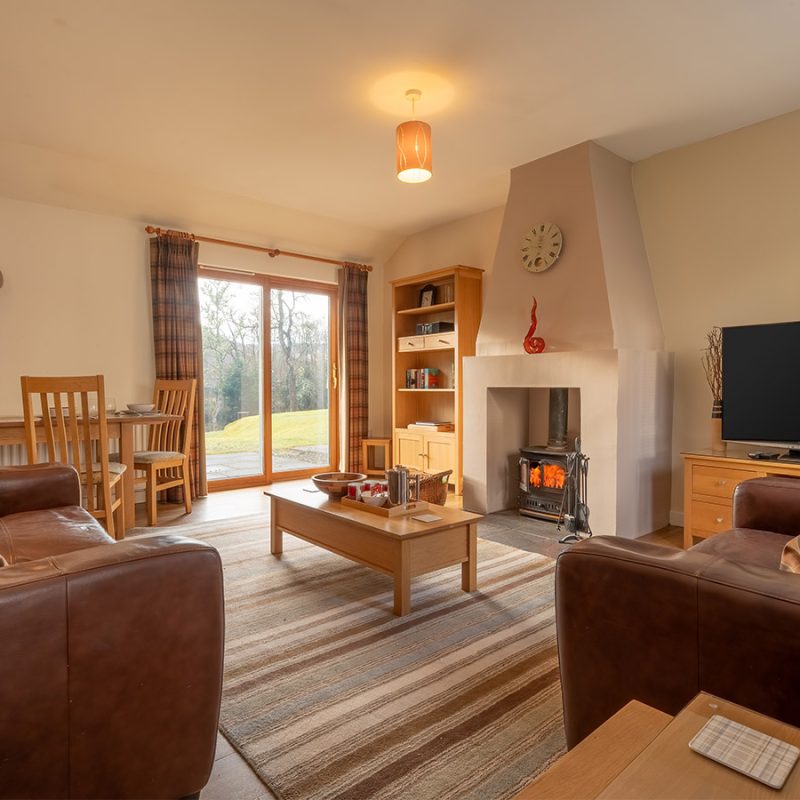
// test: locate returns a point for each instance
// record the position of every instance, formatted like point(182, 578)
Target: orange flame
point(552, 476)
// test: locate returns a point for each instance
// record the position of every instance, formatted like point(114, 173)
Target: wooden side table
point(591, 765)
point(641, 752)
point(366, 445)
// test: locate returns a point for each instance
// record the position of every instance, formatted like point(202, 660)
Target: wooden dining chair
point(75, 433)
point(166, 461)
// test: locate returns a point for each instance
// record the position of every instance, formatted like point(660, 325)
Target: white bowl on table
point(141, 408)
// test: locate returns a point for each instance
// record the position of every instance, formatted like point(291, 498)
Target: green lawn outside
point(290, 429)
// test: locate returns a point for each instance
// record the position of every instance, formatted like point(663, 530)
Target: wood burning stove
point(546, 483)
point(553, 479)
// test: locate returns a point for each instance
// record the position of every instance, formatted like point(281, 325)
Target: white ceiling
point(260, 115)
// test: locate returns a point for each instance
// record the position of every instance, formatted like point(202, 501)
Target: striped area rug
point(329, 696)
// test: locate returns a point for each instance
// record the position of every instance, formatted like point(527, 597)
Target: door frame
point(267, 283)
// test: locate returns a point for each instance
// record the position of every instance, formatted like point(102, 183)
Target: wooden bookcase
point(709, 480)
point(456, 300)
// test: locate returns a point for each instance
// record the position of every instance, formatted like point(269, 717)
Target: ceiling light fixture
point(413, 146)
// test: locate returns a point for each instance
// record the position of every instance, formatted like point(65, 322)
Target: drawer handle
point(411, 344)
point(718, 520)
point(444, 341)
point(721, 482)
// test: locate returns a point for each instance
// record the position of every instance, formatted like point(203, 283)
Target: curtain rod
point(270, 251)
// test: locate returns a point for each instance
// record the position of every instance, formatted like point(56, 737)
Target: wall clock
point(541, 247)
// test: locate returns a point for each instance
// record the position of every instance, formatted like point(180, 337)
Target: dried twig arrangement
point(712, 362)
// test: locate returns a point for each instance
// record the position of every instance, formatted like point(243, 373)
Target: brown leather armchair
point(651, 623)
point(111, 668)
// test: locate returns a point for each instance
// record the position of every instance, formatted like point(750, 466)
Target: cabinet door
point(408, 449)
point(440, 453)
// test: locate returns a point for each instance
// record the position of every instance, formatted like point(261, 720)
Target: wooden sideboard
point(708, 482)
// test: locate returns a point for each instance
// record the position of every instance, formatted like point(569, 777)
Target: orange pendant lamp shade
point(414, 151)
point(414, 146)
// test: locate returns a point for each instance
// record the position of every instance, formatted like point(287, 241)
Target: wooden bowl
point(334, 484)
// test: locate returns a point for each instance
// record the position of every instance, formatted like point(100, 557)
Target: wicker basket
point(433, 488)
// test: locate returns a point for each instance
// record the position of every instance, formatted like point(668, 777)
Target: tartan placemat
point(757, 755)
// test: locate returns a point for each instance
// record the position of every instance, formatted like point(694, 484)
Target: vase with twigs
point(712, 365)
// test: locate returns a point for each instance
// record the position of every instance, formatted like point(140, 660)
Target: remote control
point(761, 454)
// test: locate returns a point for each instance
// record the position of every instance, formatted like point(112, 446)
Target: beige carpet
point(329, 695)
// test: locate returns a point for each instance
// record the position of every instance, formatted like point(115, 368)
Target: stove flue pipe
point(557, 419)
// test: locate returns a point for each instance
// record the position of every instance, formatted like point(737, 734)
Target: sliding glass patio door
point(268, 343)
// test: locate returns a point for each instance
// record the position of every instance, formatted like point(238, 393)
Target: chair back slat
point(71, 434)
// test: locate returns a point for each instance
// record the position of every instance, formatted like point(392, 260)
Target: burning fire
point(551, 476)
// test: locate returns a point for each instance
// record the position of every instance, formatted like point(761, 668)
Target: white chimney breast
point(598, 314)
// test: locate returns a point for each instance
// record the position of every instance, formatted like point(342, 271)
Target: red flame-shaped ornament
point(531, 343)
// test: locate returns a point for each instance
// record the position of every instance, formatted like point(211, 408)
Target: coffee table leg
point(275, 533)
point(469, 568)
point(402, 581)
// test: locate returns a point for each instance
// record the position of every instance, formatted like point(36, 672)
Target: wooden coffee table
point(400, 547)
point(642, 752)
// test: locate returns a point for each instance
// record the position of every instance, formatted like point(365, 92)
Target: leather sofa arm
point(768, 504)
point(749, 648)
point(627, 622)
point(111, 670)
point(38, 486)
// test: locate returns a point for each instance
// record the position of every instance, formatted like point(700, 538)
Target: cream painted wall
point(721, 222)
point(471, 242)
point(75, 300)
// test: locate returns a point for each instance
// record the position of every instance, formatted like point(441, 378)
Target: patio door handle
point(335, 375)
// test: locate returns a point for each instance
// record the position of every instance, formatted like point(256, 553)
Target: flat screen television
point(761, 385)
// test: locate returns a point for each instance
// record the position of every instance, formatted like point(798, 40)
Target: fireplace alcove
point(620, 402)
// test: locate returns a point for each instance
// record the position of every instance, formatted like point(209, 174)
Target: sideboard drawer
point(710, 517)
point(717, 481)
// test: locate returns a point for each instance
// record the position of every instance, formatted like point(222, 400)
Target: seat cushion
point(114, 467)
point(31, 535)
point(746, 546)
point(154, 456)
point(115, 472)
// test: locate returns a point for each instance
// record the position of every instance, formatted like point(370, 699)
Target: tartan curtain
point(177, 335)
point(354, 392)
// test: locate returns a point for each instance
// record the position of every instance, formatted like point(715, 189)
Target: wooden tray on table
point(417, 507)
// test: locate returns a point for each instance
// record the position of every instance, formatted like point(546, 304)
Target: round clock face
point(541, 247)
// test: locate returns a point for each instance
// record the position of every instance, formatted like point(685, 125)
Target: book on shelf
point(442, 427)
point(428, 378)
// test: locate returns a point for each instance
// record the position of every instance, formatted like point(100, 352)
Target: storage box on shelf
point(709, 481)
point(429, 345)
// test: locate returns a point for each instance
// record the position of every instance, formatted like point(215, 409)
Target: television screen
point(761, 383)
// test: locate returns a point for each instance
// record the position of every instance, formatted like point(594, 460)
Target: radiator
point(13, 454)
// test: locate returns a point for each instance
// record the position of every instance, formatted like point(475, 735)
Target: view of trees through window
point(233, 337)
point(300, 351)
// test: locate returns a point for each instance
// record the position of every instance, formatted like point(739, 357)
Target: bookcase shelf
point(420, 310)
